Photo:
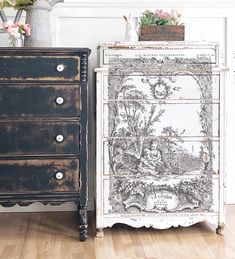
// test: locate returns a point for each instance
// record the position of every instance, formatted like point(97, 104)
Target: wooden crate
point(162, 33)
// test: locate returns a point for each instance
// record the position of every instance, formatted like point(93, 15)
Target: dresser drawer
point(40, 68)
point(162, 87)
point(160, 157)
point(19, 176)
point(39, 100)
point(34, 138)
point(136, 196)
point(138, 117)
point(111, 53)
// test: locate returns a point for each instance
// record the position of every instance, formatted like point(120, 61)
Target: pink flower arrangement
point(16, 30)
point(160, 17)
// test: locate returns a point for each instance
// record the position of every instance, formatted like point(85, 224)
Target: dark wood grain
point(38, 138)
point(43, 68)
point(162, 33)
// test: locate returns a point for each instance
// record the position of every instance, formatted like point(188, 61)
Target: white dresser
point(160, 135)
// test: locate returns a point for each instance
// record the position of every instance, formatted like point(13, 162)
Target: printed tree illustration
point(170, 140)
point(129, 111)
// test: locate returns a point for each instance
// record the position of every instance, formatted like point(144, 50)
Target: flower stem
point(3, 16)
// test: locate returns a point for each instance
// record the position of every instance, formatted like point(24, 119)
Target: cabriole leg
point(99, 232)
point(220, 229)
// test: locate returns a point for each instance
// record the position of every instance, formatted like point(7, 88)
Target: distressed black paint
point(30, 120)
point(30, 100)
point(38, 138)
point(38, 67)
point(39, 176)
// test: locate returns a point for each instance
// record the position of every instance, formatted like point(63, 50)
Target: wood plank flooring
point(53, 235)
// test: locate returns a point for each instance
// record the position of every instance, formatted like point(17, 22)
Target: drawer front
point(39, 100)
point(40, 68)
point(199, 53)
point(20, 176)
point(162, 87)
point(154, 157)
point(139, 118)
point(27, 138)
point(191, 194)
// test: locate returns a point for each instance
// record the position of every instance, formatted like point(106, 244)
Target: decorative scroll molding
point(163, 222)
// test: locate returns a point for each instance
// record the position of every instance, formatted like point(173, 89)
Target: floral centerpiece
point(16, 32)
point(161, 25)
point(37, 12)
point(159, 17)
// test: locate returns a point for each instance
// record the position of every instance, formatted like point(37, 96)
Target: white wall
point(87, 23)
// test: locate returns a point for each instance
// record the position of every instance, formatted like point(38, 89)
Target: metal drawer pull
point(60, 68)
point(59, 100)
point(59, 138)
point(59, 175)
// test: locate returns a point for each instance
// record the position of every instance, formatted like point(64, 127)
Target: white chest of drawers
point(160, 127)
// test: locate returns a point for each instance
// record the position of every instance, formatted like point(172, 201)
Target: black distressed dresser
point(43, 127)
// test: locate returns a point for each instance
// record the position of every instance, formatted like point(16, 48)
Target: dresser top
point(159, 44)
point(51, 50)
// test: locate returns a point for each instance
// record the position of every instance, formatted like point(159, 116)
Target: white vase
point(37, 15)
point(16, 42)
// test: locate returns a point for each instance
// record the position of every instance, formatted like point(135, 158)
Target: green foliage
point(17, 4)
point(6, 3)
point(22, 3)
point(148, 18)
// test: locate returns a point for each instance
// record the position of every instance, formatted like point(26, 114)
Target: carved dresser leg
point(82, 223)
point(220, 229)
point(99, 232)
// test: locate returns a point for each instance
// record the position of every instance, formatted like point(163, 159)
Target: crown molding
point(151, 4)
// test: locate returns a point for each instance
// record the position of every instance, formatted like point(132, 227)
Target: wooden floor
point(53, 235)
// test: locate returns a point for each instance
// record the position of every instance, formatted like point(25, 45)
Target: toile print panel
point(161, 87)
point(141, 119)
point(191, 194)
point(145, 157)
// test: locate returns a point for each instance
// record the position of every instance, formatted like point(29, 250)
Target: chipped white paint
point(160, 158)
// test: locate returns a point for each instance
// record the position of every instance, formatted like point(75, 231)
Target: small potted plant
point(161, 26)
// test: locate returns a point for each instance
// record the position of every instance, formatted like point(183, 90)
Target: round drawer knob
point(60, 68)
point(59, 100)
point(59, 138)
point(59, 175)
